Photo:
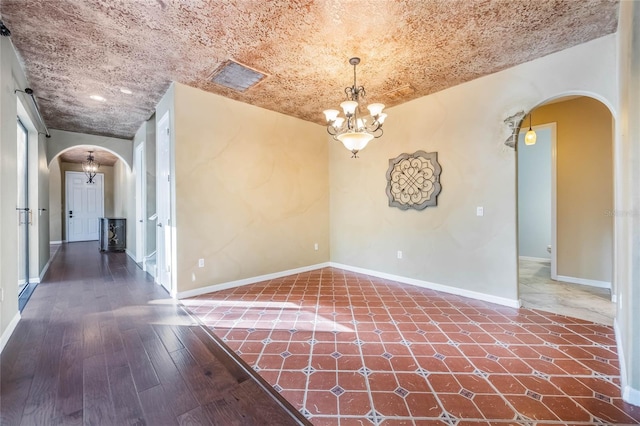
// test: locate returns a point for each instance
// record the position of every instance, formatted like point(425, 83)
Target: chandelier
point(354, 130)
point(90, 167)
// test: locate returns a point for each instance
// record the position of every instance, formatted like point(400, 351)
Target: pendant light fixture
point(353, 130)
point(530, 137)
point(90, 167)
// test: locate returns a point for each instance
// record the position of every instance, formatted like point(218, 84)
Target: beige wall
point(109, 190)
point(448, 244)
point(55, 201)
point(251, 193)
point(11, 78)
point(584, 186)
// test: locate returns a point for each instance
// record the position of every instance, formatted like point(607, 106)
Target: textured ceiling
point(409, 48)
point(79, 154)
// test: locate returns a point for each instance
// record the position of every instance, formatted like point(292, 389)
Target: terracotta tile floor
point(350, 349)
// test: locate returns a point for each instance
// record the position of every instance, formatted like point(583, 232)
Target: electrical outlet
point(315, 246)
point(479, 211)
point(399, 254)
point(201, 263)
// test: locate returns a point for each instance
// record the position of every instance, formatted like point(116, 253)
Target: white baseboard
point(247, 281)
point(57, 242)
point(9, 331)
point(131, 255)
point(46, 267)
point(513, 303)
point(629, 394)
point(584, 281)
point(535, 259)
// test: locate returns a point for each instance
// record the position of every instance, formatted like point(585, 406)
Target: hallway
point(539, 291)
point(99, 343)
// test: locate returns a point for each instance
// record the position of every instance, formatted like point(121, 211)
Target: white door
point(163, 199)
point(140, 202)
point(85, 204)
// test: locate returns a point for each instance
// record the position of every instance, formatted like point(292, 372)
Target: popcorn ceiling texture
point(74, 48)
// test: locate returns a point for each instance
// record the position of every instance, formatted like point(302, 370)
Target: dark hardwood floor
point(100, 343)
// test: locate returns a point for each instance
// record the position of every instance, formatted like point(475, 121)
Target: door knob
point(159, 225)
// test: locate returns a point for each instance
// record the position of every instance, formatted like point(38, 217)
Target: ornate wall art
point(413, 180)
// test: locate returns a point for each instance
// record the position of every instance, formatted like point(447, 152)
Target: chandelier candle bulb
point(353, 130)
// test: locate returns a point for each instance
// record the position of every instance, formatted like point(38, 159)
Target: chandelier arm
point(332, 130)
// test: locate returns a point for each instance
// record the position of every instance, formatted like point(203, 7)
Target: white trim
point(535, 259)
point(513, 303)
point(614, 297)
point(35, 280)
point(9, 331)
point(57, 242)
point(247, 281)
point(629, 394)
point(139, 156)
point(46, 267)
point(584, 281)
point(131, 255)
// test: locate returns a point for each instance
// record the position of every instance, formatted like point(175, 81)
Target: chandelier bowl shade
point(355, 141)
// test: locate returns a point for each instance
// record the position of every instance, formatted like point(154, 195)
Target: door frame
point(165, 254)
point(141, 201)
point(66, 199)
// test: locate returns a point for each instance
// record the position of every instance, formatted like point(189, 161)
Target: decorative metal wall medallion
point(413, 180)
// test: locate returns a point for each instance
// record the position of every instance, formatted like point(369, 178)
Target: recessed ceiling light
point(97, 98)
point(126, 91)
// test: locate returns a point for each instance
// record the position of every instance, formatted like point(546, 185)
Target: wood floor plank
point(125, 398)
point(248, 395)
point(208, 382)
point(144, 376)
point(227, 412)
point(168, 337)
point(195, 417)
point(98, 406)
point(171, 379)
point(15, 384)
point(111, 337)
point(194, 345)
point(69, 393)
point(40, 405)
point(212, 346)
point(92, 338)
point(155, 404)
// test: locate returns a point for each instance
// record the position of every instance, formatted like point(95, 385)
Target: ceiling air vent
point(236, 76)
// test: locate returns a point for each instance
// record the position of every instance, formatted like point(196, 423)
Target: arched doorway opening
point(68, 163)
point(566, 209)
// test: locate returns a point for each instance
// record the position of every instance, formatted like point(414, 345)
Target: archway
point(570, 172)
point(69, 160)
